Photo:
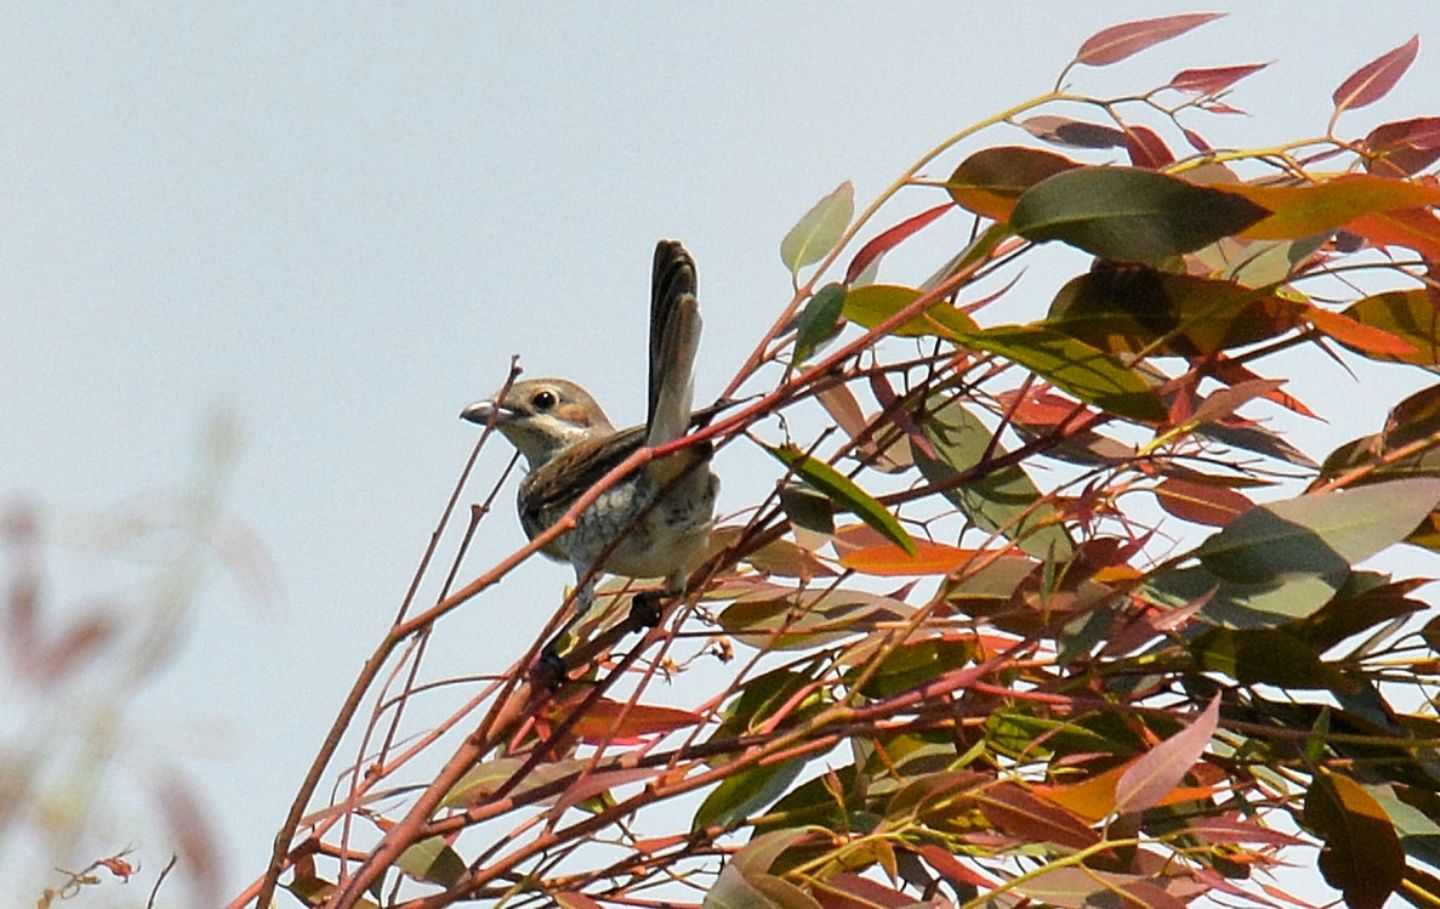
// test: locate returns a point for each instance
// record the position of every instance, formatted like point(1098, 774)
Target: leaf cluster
point(1050, 611)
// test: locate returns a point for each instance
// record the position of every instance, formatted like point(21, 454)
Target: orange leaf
point(1092, 799)
point(1372, 81)
point(1302, 211)
point(612, 721)
point(887, 559)
point(1189, 794)
point(1412, 228)
point(1358, 335)
point(989, 181)
point(1117, 42)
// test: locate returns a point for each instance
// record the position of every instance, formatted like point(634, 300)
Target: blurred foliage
point(96, 609)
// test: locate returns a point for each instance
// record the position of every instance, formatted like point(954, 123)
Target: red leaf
point(1146, 148)
point(1232, 829)
point(1372, 81)
point(851, 891)
point(889, 239)
point(1117, 42)
point(1417, 132)
point(1214, 79)
point(1215, 506)
point(573, 899)
point(1403, 147)
point(1023, 814)
point(1225, 401)
point(1161, 769)
point(948, 865)
point(1232, 372)
point(1196, 140)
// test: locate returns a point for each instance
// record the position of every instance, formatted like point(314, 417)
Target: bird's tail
point(674, 339)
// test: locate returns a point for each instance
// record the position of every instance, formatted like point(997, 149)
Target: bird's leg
point(645, 607)
point(550, 657)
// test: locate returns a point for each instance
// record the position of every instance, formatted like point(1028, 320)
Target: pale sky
point(335, 224)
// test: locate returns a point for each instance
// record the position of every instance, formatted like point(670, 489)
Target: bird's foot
point(549, 671)
point(645, 609)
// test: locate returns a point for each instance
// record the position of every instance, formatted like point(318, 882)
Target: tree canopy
point(1042, 612)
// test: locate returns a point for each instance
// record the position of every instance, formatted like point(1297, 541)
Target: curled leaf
point(1073, 133)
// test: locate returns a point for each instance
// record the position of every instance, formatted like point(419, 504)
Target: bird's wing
point(575, 469)
point(674, 338)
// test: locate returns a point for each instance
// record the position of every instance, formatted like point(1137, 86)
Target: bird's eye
point(543, 400)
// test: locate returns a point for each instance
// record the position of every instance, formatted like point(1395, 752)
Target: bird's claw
point(549, 671)
point(645, 609)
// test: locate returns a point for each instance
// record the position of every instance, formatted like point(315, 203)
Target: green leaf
point(817, 232)
point(765, 694)
point(1265, 655)
point(432, 860)
point(911, 664)
point(1129, 214)
point(1284, 561)
point(995, 501)
point(989, 181)
point(820, 320)
point(1319, 535)
point(1129, 308)
point(1362, 857)
point(745, 792)
point(873, 304)
point(1235, 604)
point(1412, 315)
point(1085, 372)
point(844, 492)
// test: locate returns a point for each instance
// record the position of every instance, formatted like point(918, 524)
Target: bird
point(655, 521)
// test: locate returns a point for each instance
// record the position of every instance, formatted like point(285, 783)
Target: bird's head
point(541, 417)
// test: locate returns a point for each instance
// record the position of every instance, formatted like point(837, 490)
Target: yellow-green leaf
point(819, 229)
point(873, 304)
point(1084, 371)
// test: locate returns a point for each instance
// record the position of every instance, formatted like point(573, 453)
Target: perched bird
point(653, 522)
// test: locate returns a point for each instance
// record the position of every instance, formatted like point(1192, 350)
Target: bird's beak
point(482, 412)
